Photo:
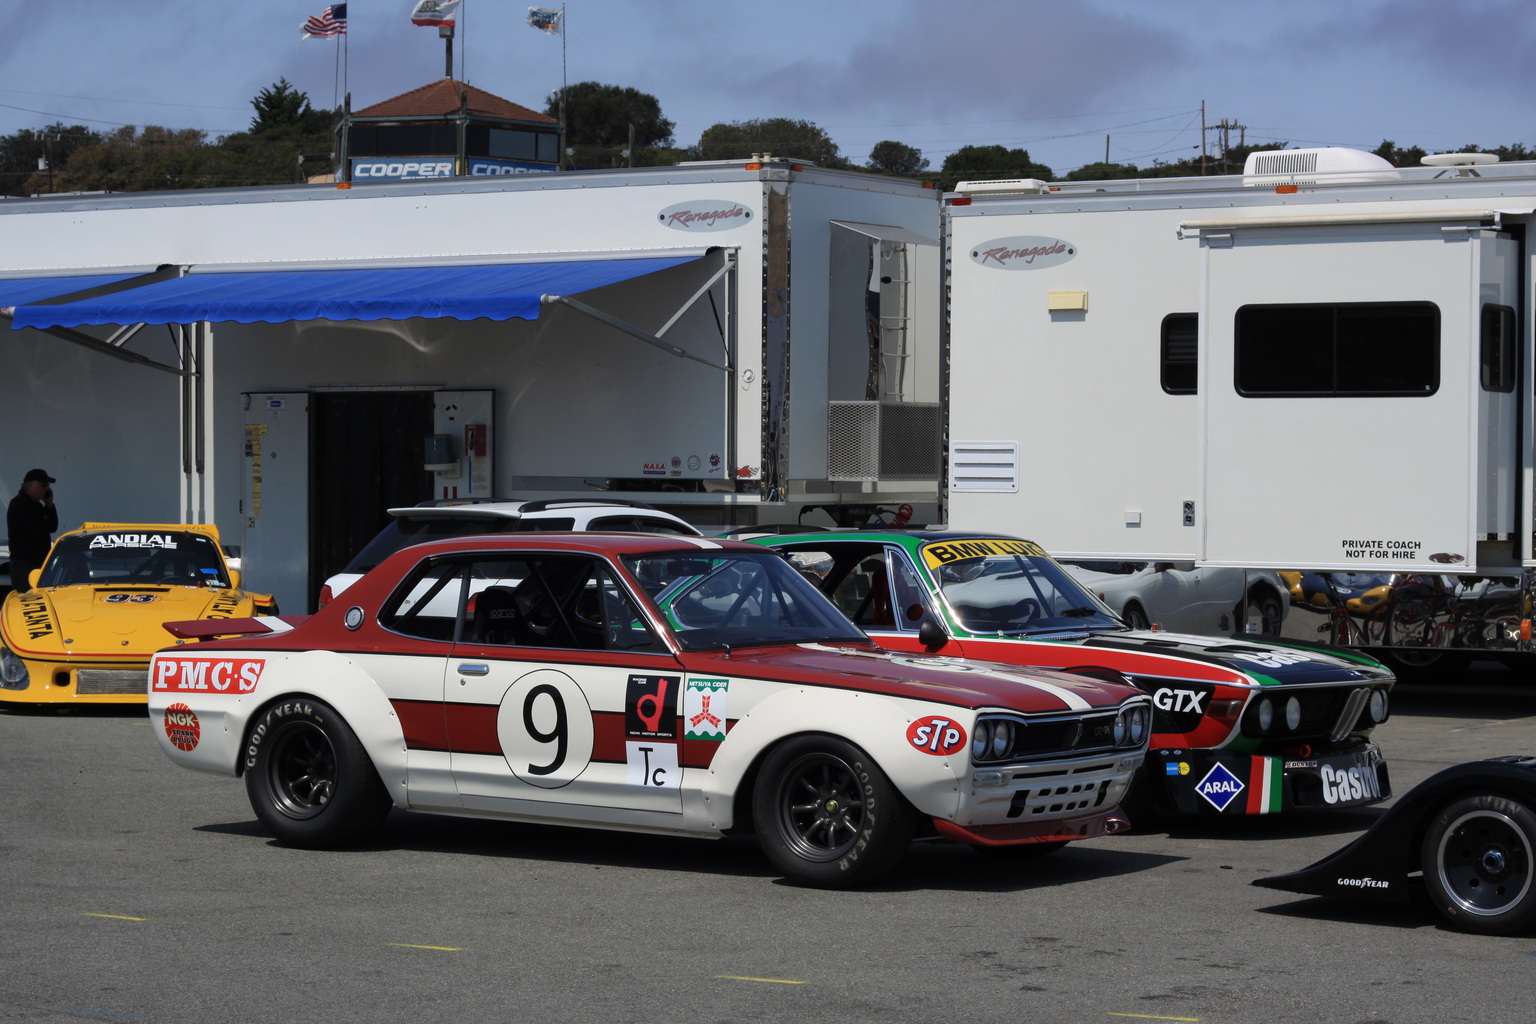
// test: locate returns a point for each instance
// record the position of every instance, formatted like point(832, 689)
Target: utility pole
point(1202, 138)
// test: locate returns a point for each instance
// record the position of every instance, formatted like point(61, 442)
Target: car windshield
point(1012, 586)
point(407, 531)
point(737, 599)
point(129, 556)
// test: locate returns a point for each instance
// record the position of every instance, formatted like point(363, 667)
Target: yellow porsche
point(84, 632)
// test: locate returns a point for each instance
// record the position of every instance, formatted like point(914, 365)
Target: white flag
point(434, 12)
point(546, 20)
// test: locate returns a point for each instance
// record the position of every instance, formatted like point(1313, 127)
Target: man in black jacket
point(30, 520)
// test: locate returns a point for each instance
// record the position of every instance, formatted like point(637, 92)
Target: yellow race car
point(85, 631)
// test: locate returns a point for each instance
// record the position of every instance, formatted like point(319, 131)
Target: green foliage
point(975, 163)
point(779, 136)
point(600, 115)
point(279, 105)
point(20, 171)
point(1102, 171)
point(891, 157)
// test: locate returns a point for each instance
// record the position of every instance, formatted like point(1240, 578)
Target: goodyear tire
point(1478, 858)
point(309, 779)
point(827, 816)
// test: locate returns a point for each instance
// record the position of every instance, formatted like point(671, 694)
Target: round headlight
point(1002, 739)
point(1122, 727)
point(1139, 717)
point(1266, 714)
point(981, 739)
point(1293, 713)
point(1378, 705)
point(12, 669)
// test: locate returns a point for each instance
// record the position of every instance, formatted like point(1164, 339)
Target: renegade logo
point(207, 675)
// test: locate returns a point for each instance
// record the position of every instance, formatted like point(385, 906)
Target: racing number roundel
point(545, 728)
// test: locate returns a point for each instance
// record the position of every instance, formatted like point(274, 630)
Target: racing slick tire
point(827, 816)
point(1479, 853)
point(309, 779)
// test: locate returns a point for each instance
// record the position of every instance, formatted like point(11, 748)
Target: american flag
point(331, 22)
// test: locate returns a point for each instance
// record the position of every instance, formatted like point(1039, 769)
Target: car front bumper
point(1231, 782)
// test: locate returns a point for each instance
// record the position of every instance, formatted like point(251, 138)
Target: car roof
point(609, 544)
point(517, 509)
point(881, 536)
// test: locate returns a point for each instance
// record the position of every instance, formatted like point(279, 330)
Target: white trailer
point(1320, 366)
point(737, 339)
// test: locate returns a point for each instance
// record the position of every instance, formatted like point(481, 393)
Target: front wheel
point(1478, 858)
point(1134, 617)
point(309, 779)
point(827, 816)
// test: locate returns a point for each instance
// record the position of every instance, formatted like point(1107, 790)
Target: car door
point(560, 702)
point(875, 585)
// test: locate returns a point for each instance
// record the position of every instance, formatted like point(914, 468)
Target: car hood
point(1265, 663)
point(964, 682)
point(85, 621)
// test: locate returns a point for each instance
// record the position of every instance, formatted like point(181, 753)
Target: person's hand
point(48, 496)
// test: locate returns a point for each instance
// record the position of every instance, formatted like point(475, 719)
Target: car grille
point(1064, 735)
point(118, 681)
point(1322, 712)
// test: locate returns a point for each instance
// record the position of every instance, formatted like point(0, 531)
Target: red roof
point(441, 98)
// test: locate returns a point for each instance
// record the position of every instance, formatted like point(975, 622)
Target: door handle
point(474, 670)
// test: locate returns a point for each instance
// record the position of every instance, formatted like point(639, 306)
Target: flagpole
point(565, 81)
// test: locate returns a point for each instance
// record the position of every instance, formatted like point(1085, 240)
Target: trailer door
point(1346, 417)
point(274, 505)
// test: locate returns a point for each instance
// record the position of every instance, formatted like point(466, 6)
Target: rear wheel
point(827, 816)
point(1134, 617)
point(1264, 605)
point(1478, 856)
point(309, 779)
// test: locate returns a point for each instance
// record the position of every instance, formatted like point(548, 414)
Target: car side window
point(909, 598)
point(570, 602)
point(426, 603)
point(638, 524)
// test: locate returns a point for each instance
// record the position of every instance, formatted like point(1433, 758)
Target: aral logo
point(1023, 252)
point(936, 735)
point(1220, 787)
point(705, 215)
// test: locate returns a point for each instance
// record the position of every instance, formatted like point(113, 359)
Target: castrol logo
point(937, 735)
point(181, 727)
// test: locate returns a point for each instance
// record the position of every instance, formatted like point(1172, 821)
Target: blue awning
point(16, 291)
point(501, 291)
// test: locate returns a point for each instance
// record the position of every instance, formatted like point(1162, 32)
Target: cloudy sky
point(1062, 79)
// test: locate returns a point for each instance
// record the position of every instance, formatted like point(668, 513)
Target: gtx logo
point(1179, 700)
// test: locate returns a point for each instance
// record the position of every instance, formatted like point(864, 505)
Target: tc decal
point(652, 765)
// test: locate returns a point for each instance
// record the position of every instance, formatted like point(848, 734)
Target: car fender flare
point(876, 724)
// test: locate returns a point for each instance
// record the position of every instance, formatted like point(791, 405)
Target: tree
point(1102, 171)
point(30, 160)
point(891, 157)
point(279, 105)
point(128, 160)
point(779, 136)
point(601, 115)
point(969, 163)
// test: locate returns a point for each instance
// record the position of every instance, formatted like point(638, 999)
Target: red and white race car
point(660, 684)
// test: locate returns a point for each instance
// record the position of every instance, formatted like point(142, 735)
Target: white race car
point(659, 684)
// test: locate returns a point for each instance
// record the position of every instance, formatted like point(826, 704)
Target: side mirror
point(234, 579)
point(33, 577)
point(932, 635)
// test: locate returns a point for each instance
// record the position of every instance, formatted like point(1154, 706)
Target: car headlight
point(1002, 740)
point(13, 671)
point(1266, 715)
point(981, 740)
point(1140, 724)
point(1122, 728)
point(1293, 713)
point(1378, 706)
point(993, 739)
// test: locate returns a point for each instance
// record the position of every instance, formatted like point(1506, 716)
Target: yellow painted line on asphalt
point(770, 981)
point(413, 945)
point(1149, 1016)
point(116, 917)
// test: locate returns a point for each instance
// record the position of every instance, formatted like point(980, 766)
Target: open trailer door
point(1356, 409)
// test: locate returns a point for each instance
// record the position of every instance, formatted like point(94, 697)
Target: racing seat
point(497, 619)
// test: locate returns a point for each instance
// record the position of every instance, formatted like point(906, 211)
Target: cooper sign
point(1023, 252)
point(704, 215)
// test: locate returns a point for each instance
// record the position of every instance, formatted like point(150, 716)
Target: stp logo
point(935, 735)
point(181, 727)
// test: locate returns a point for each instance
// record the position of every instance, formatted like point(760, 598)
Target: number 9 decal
point(545, 728)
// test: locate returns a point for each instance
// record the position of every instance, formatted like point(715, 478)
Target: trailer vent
point(984, 466)
point(883, 441)
point(1332, 166)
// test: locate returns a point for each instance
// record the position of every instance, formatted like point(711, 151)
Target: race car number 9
point(545, 728)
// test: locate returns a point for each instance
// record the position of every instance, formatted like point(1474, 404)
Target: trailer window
point(1338, 349)
point(1498, 348)
point(1180, 353)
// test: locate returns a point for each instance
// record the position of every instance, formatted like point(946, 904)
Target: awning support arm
point(107, 348)
point(627, 328)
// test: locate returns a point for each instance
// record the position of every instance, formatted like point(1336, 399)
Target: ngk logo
point(936, 735)
point(207, 675)
point(181, 727)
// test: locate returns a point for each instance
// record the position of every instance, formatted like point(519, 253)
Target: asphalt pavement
point(137, 891)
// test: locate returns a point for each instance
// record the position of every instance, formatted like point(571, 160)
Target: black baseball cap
point(37, 474)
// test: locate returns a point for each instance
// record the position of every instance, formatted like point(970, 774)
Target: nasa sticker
point(936, 735)
point(181, 727)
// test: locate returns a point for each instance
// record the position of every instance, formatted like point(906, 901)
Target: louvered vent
point(871, 441)
point(984, 466)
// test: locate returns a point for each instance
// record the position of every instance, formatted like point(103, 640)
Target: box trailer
point(739, 340)
point(1320, 367)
